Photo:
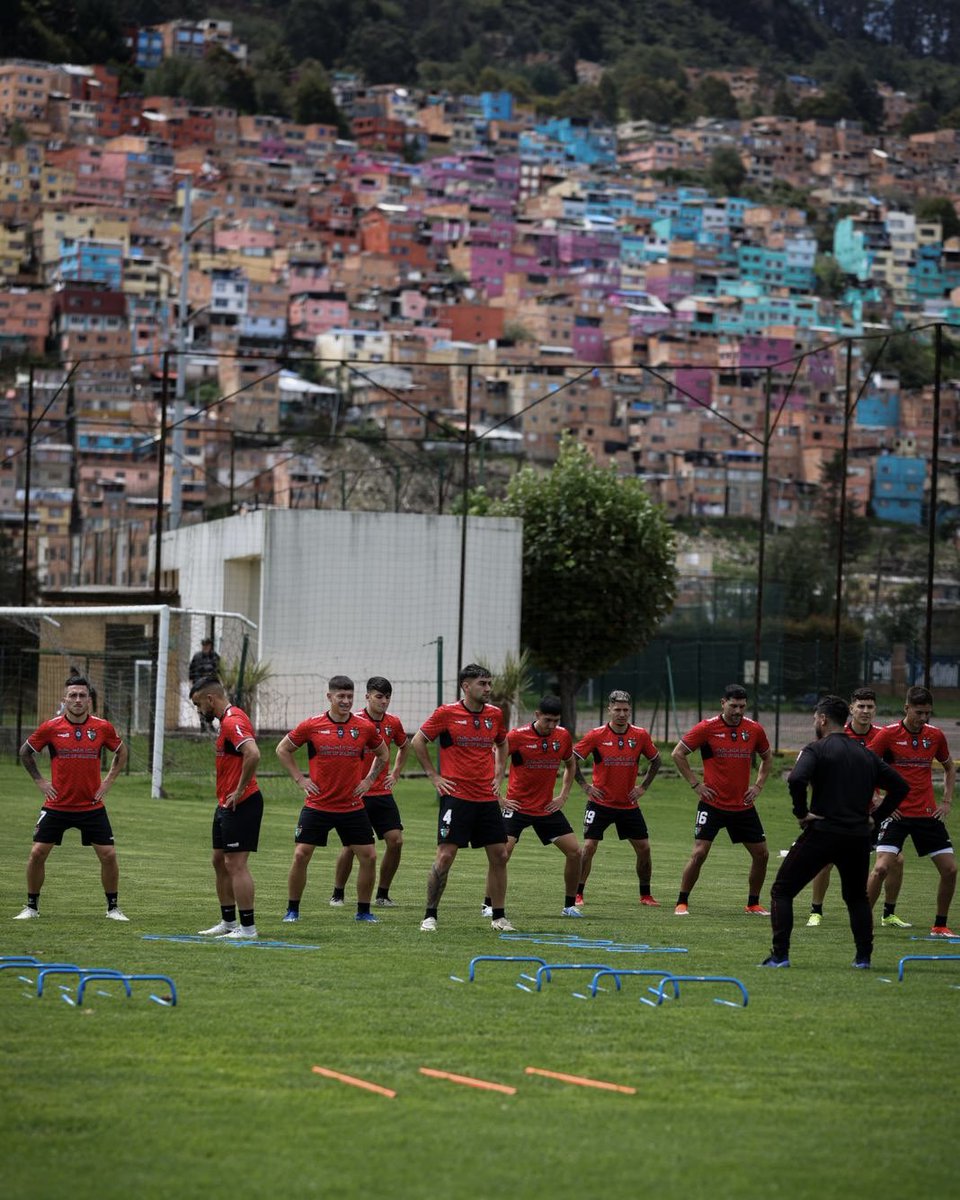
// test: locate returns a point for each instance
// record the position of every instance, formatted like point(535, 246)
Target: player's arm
point(896, 788)
point(643, 786)
point(949, 782)
point(250, 753)
point(566, 783)
point(797, 782)
point(500, 766)
point(403, 753)
point(421, 748)
point(766, 765)
point(28, 757)
point(285, 752)
point(592, 792)
point(381, 760)
point(680, 755)
point(119, 762)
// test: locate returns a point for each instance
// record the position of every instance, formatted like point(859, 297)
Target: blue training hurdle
point(617, 972)
point(678, 979)
point(924, 958)
point(501, 958)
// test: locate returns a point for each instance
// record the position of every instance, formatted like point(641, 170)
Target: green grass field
point(832, 1082)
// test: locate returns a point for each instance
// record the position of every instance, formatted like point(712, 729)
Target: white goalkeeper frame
point(162, 612)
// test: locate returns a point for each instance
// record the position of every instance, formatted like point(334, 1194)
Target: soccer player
point(726, 798)
point(863, 708)
point(843, 776)
point(911, 746)
point(379, 802)
point(73, 796)
point(336, 741)
point(536, 753)
point(613, 796)
point(239, 811)
point(470, 764)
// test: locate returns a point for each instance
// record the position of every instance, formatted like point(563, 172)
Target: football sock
point(941, 919)
point(487, 903)
point(337, 894)
point(33, 900)
point(111, 900)
point(569, 901)
point(228, 912)
point(889, 909)
point(817, 908)
point(293, 906)
point(246, 917)
point(498, 913)
point(383, 893)
point(683, 897)
point(644, 889)
point(363, 907)
point(752, 900)
point(430, 912)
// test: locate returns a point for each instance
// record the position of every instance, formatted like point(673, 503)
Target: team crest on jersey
point(927, 743)
point(354, 733)
point(92, 735)
point(556, 746)
point(744, 735)
point(632, 743)
point(488, 722)
point(79, 735)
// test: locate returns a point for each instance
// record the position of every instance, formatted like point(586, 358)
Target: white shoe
point(428, 925)
point(335, 902)
point(486, 910)
point(218, 930)
point(502, 925)
point(385, 902)
point(114, 914)
point(573, 911)
point(27, 914)
point(242, 933)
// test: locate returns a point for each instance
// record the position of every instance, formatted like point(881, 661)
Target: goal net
point(138, 661)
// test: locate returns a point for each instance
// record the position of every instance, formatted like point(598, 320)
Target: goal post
point(137, 658)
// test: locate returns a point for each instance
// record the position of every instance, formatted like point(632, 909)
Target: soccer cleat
point(486, 910)
point(772, 961)
point(368, 917)
point(218, 930)
point(114, 914)
point(336, 902)
point(649, 902)
point(814, 920)
point(502, 925)
point(895, 922)
point(757, 910)
point(572, 911)
point(242, 933)
point(579, 900)
point(681, 911)
point(290, 916)
point(385, 902)
point(861, 964)
point(27, 913)
point(428, 925)
point(941, 931)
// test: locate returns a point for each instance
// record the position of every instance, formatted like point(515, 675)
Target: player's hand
point(750, 796)
point(309, 787)
point(391, 781)
point(705, 793)
point(635, 793)
point(942, 811)
point(49, 791)
point(809, 819)
point(595, 793)
point(363, 786)
point(230, 800)
point(444, 786)
point(101, 791)
point(508, 805)
point(556, 804)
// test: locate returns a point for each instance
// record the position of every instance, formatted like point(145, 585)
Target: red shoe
point(681, 911)
point(942, 931)
point(578, 901)
point(649, 902)
point(757, 909)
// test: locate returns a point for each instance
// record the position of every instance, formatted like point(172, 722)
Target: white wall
point(357, 594)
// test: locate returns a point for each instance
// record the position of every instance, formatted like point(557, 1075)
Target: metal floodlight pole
point(464, 517)
point(177, 447)
point(27, 482)
point(842, 521)
point(762, 545)
point(932, 514)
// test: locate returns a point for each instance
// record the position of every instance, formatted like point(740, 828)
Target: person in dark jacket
point(835, 827)
point(205, 664)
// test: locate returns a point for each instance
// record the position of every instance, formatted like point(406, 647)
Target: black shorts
point(929, 834)
point(94, 826)
point(473, 823)
point(599, 817)
point(238, 829)
point(548, 826)
point(383, 813)
point(742, 824)
point(353, 828)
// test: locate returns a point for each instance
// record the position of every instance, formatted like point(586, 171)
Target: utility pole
point(177, 446)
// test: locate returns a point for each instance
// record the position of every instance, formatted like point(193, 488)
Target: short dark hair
point(473, 671)
point(618, 696)
point(835, 709)
point(734, 691)
point(78, 680)
point(919, 695)
point(340, 683)
point(863, 693)
point(211, 681)
point(207, 641)
point(550, 706)
point(378, 683)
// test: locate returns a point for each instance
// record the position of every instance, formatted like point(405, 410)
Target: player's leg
point(341, 874)
point(497, 876)
point(641, 847)
point(808, 855)
point(366, 856)
point(569, 847)
point(691, 872)
point(237, 869)
point(109, 877)
point(437, 880)
point(891, 894)
point(853, 866)
point(818, 891)
point(759, 857)
point(946, 863)
point(222, 879)
point(241, 828)
point(390, 862)
point(37, 866)
point(297, 878)
point(881, 868)
point(587, 851)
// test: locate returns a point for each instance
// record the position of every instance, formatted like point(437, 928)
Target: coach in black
point(843, 776)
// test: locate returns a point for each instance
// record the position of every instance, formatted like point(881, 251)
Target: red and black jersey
point(616, 760)
point(392, 732)
point(535, 759)
point(466, 740)
point(336, 752)
point(912, 756)
point(235, 729)
point(865, 739)
point(727, 754)
point(74, 758)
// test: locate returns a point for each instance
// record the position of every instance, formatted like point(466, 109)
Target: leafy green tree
point(712, 97)
point(940, 208)
point(313, 101)
point(727, 171)
point(830, 277)
point(598, 567)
